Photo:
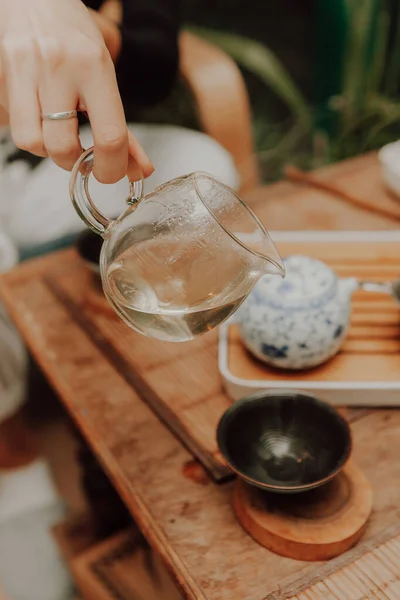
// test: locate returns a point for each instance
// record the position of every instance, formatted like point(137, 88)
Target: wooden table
point(187, 518)
point(289, 206)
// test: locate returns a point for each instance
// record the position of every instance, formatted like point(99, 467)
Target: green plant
point(368, 109)
point(365, 111)
point(259, 60)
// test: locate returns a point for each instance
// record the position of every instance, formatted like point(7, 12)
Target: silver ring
point(60, 116)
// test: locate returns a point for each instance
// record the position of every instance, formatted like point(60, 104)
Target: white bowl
point(389, 158)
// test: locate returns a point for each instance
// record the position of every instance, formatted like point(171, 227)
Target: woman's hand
point(54, 59)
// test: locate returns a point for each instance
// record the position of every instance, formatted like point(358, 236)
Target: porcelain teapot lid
point(308, 284)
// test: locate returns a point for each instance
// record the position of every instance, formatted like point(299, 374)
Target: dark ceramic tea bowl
point(285, 442)
point(88, 245)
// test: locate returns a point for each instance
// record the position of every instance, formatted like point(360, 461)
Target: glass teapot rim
point(102, 225)
point(279, 266)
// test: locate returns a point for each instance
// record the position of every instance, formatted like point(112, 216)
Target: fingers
point(37, 83)
point(106, 115)
point(23, 105)
point(139, 163)
point(60, 138)
point(112, 142)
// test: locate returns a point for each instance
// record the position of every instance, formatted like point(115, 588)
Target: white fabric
point(41, 210)
point(25, 490)
point(30, 565)
point(13, 367)
point(13, 359)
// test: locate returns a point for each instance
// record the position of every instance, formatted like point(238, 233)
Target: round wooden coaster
point(314, 525)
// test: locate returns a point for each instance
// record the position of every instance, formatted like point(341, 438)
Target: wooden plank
point(166, 375)
point(289, 206)
point(372, 331)
point(374, 272)
point(391, 319)
point(75, 535)
point(150, 468)
point(145, 462)
point(138, 382)
point(96, 397)
point(333, 171)
point(371, 305)
point(197, 418)
point(378, 348)
point(375, 574)
point(349, 253)
point(121, 567)
point(380, 465)
point(144, 353)
point(183, 383)
point(346, 366)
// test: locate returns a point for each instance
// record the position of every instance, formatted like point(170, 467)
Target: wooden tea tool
point(312, 526)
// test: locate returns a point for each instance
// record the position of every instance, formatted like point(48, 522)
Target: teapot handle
point(82, 201)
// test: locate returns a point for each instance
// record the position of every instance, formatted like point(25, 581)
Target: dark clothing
point(148, 62)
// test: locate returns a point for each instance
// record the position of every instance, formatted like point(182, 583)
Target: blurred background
point(323, 80)
point(323, 76)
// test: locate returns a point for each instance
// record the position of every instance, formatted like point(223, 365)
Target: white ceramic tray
point(349, 393)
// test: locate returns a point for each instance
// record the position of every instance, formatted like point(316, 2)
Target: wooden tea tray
point(367, 369)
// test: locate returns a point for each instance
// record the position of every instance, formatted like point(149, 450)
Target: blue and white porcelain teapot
point(301, 321)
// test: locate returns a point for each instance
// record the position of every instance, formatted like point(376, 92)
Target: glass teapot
point(179, 261)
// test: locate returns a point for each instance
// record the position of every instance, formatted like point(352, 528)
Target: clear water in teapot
point(176, 290)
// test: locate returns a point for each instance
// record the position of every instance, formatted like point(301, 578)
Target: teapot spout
point(273, 267)
point(264, 251)
point(347, 287)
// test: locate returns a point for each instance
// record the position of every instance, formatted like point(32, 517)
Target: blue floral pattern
point(299, 322)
